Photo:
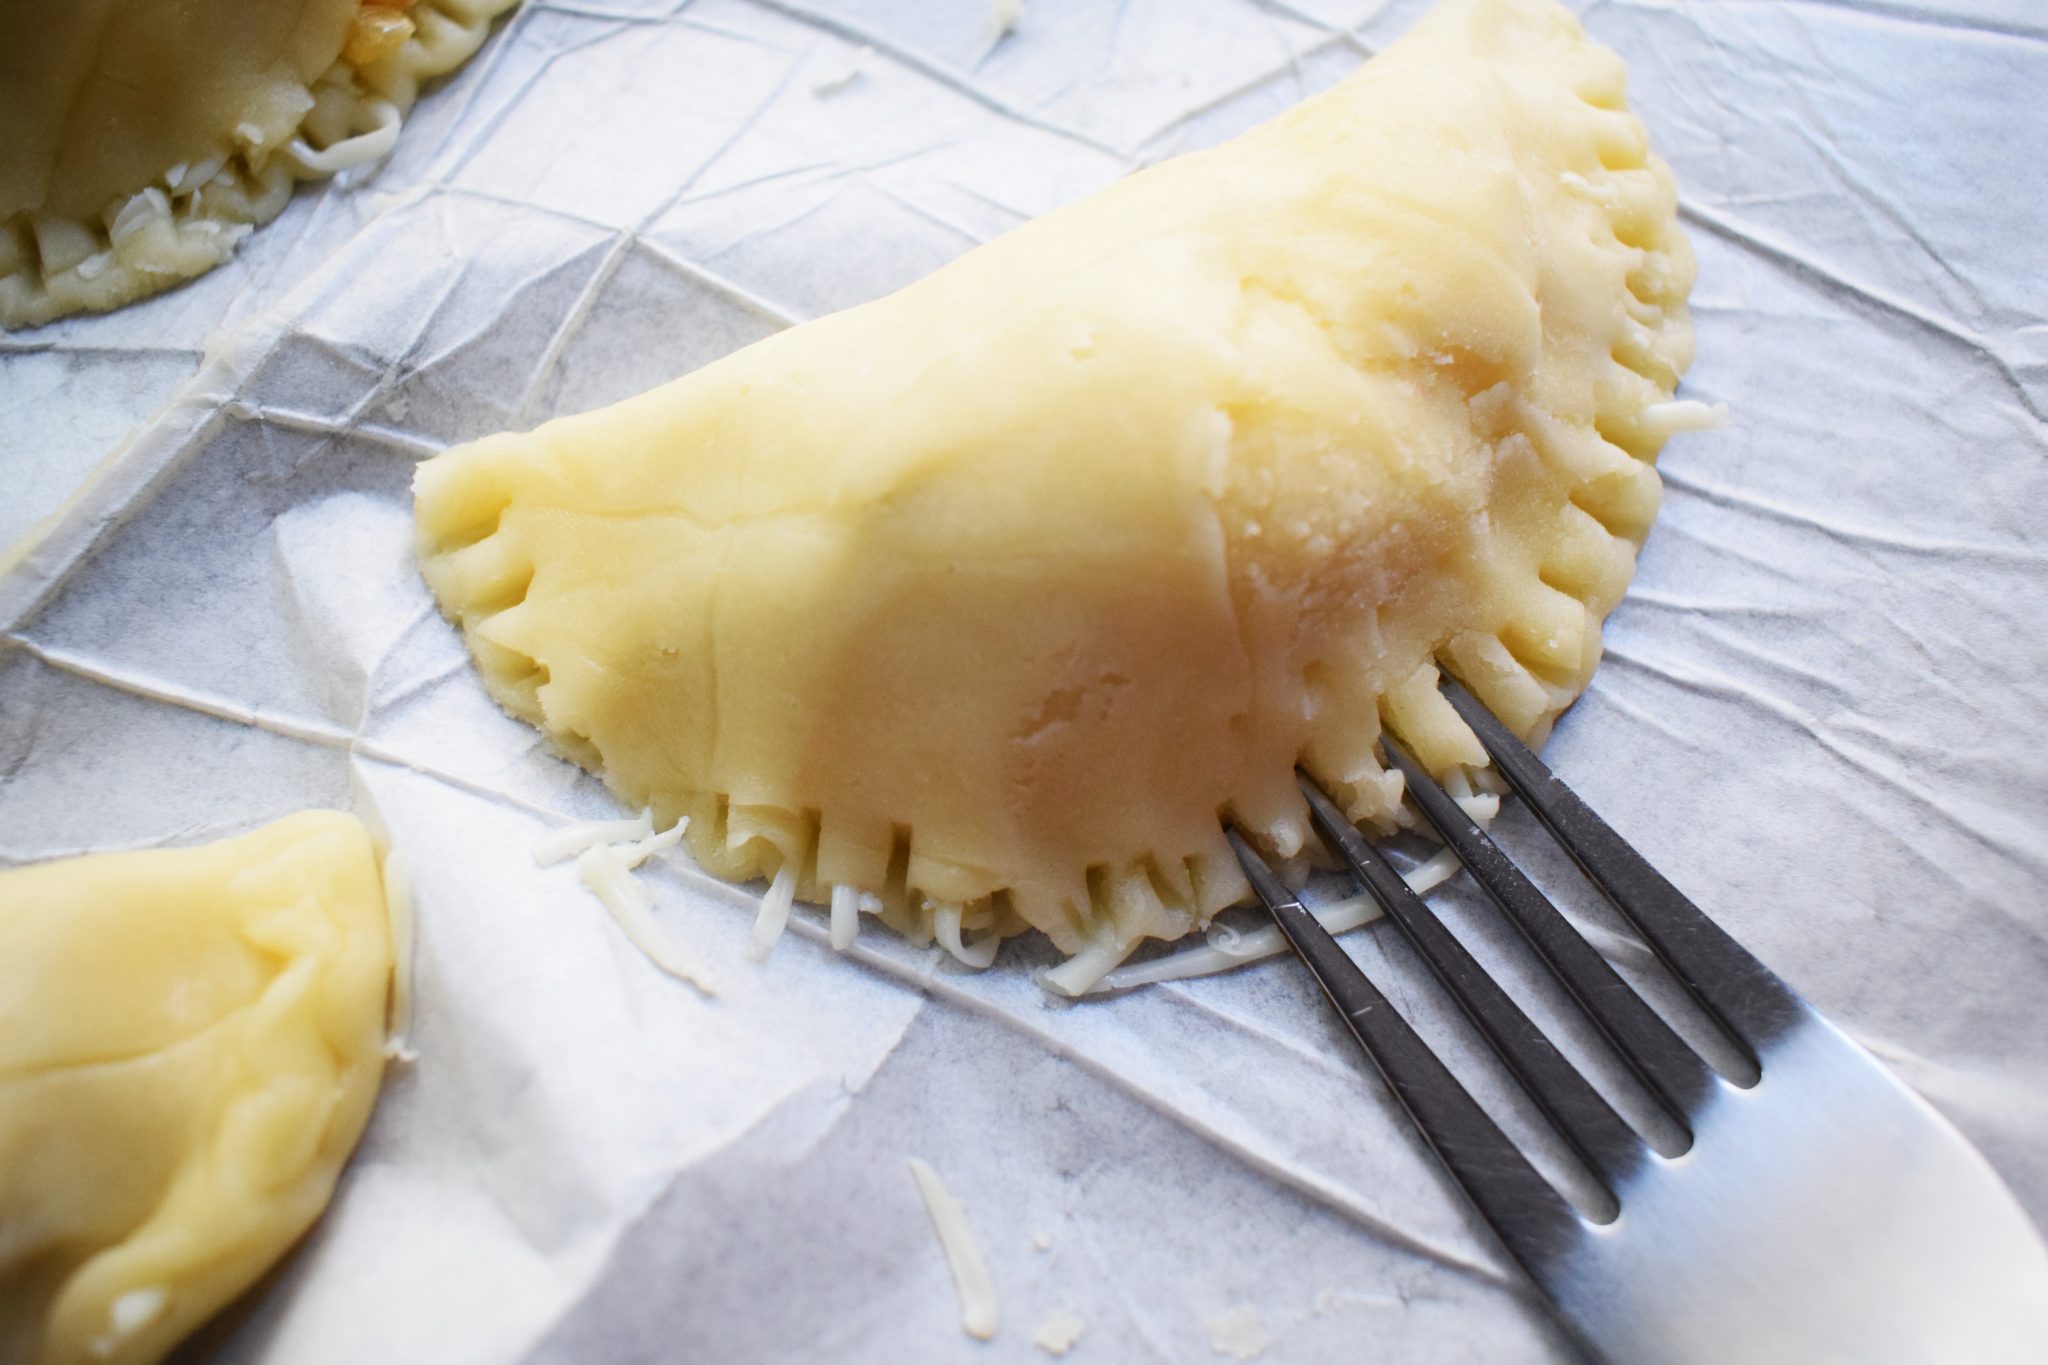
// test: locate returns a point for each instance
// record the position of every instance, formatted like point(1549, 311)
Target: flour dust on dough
point(990, 597)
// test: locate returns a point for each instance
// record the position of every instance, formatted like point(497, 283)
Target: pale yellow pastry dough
point(991, 596)
point(144, 138)
point(190, 1044)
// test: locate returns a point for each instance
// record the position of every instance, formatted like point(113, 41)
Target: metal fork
point(1822, 1212)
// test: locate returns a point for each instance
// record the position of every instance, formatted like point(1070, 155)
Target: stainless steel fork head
point(1822, 1213)
point(1825, 1213)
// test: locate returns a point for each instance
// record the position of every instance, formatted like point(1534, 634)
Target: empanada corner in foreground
point(987, 598)
point(191, 1042)
point(143, 140)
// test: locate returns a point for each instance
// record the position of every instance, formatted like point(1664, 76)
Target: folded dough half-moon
point(145, 138)
point(190, 1045)
point(990, 596)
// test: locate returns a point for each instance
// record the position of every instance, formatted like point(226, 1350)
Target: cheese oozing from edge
point(190, 1044)
point(145, 138)
point(988, 598)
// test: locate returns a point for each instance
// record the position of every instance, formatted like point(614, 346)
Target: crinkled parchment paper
point(1824, 707)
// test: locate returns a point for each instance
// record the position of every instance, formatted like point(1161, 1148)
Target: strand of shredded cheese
point(571, 840)
point(640, 850)
point(774, 915)
point(1079, 974)
point(359, 150)
point(1479, 807)
point(609, 876)
point(1232, 949)
point(1238, 1332)
point(963, 1254)
point(845, 916)
point(129, 1314)
point(1681, 414)
point(946, 928)
point(1058, 1333)
point(398, 907)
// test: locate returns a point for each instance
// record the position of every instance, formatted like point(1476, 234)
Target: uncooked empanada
point(144, 138)
point(190, 1044)
point(988, 598)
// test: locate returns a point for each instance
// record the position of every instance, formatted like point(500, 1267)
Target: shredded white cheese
point(963, 1254)
point(845, 916)
point(848, 905)
point(1479, 807)
point(1238, 1332)
point(606, 852)
point(398, 906)
point(640, 850)
point(359, 150)
point(946, 928)
point(129, 1314)
point(152, 204)
point(1078, 975)
point(1058, 1333)
point(1227, 948)
point(186, 177)
point(609, 876)
point(1003, 17)
point(571, 840)
point(1681, 414)
point(774, 914)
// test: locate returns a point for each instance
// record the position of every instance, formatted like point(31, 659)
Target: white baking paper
point(1824, 708)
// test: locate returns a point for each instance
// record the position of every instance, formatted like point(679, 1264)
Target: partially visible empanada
point(989, 598)
point(190, 1044)
point(144, 138)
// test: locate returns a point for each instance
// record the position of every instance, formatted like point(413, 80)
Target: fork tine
point(1670, 1069)
point(1574, 1108)
point(1530, 1217)
point(1752, 1005)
